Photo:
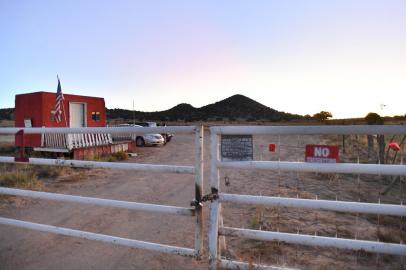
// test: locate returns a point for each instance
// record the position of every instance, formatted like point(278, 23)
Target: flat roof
point(53, 93)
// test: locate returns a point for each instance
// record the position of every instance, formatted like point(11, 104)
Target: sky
point(346, 57)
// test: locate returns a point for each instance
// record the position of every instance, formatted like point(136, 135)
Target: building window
point(96, 116)
point(52, 117)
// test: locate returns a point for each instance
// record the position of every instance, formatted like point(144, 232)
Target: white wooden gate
point(195, 170)
point(216, 227)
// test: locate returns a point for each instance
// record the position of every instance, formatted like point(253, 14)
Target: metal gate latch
point(208, 197)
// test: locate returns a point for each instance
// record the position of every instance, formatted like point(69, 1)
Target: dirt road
point(24, 249)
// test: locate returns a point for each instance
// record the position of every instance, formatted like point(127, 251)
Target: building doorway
point(77, 112)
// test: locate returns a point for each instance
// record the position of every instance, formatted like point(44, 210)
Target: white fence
point(70, 138)
point(75, 140)
point(216, 227)
point(82, 133)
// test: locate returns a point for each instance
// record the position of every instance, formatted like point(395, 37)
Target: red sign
point(271, 147)
point(394, 146)
point(322, 153)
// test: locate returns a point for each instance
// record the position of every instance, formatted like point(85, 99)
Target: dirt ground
point(24, 249)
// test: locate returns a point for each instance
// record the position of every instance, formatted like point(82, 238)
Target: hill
point(242, 107)
point(237, 107)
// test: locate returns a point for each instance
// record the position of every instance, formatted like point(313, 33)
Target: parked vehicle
point(167, 136)
point(147, 139)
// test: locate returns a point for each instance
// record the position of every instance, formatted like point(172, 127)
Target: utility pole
point(133, 113)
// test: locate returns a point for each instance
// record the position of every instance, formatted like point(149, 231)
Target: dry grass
point(119, 156)
point(7, 148)
point(52, 171)
point(36, 176)
point(22, 178)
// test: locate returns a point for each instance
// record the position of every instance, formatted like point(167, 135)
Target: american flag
point(59, 103)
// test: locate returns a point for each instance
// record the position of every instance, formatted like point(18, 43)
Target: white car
point(167, 136)
point(147, 139)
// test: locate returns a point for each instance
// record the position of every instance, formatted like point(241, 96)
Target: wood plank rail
point(74, 140)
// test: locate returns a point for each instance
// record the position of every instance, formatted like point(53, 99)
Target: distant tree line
point(7, 114)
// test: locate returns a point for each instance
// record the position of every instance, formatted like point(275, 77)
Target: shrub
point(374, 119)
point(7, 149)
point(121, 155)
point(48, 171)
point(21, 178)
point(118, 156)
point(322, 116)
point(111, 158)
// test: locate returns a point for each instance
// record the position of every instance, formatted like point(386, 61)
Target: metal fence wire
point(340, 203)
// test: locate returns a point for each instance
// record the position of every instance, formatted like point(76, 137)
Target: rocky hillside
point(237, 107)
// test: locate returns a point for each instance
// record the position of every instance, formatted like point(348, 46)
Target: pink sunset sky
point(347, 57)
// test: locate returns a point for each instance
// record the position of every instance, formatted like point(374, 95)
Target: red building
point(38, 110)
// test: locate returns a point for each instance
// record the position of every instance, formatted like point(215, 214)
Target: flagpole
point(63, 106)
point(133, 113)
point(64, 113)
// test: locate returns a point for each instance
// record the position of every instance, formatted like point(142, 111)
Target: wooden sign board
point(27, 123)
point(322, 153)
point(236, 148)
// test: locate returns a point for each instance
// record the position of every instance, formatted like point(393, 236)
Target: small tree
point(322, 116)
point(374, 119)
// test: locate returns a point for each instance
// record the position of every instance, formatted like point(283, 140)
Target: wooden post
point(20, 142)
point(370, 146)
point(381, 148)
point(343, 144)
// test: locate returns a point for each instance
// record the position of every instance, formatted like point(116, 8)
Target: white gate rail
point(313, 240)
point(310, 130)
point(107, 165)
point(339, 206)
point(378, 169)
point(99, 237)
point(101, 202)
point(215, 225)
point(101, 130)
point(196, 170)
point(228, 264)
